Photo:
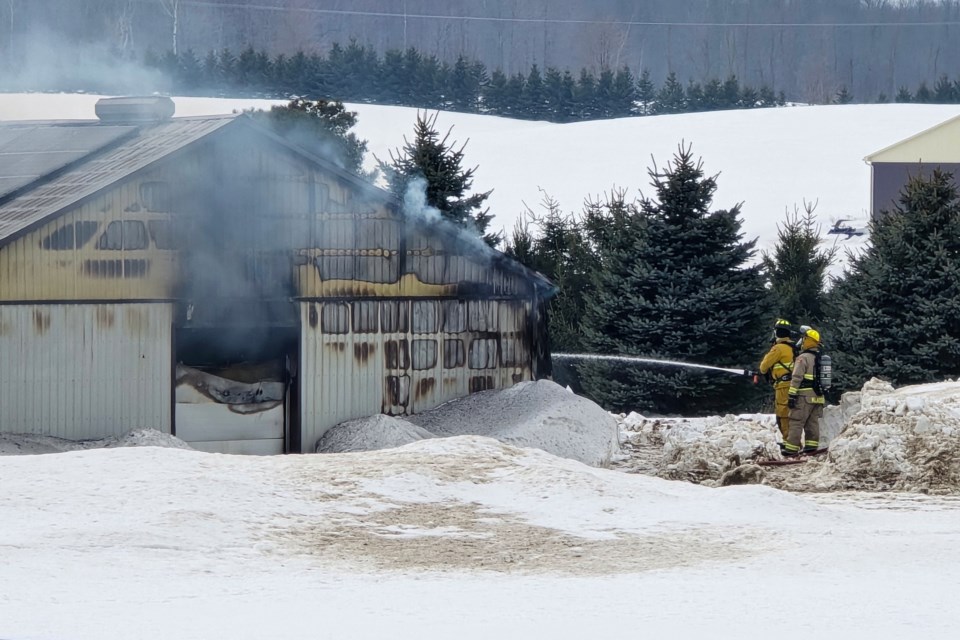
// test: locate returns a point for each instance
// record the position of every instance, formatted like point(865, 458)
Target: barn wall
point(404, 356)
point(81, 371)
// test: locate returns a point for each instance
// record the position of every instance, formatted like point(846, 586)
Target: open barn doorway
point(237, 388)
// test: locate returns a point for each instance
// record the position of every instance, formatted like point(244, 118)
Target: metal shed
point(203, 277)
point(920, 154)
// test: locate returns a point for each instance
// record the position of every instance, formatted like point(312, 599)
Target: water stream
point(652, 361)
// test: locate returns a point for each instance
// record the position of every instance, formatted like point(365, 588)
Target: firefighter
point(805, 398)
point(777, 368)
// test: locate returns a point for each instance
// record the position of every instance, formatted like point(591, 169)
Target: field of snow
point(474, 537)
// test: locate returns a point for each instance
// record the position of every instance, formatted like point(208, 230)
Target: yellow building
point(920, 154)
point(205, 278)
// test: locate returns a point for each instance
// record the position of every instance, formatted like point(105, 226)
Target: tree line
point(356, 73)
point(806, 49)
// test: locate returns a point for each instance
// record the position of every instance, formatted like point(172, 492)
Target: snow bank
point(880, 439)
point(29, 444)
point(370, 434)
point(700, 450)
point(903, 439)
point(542, 415)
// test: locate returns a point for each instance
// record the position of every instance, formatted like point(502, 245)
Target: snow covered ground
point(472, 537)
point(469, 537)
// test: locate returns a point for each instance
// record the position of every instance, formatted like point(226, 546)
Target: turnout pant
point(782, 411)
point(805, 422)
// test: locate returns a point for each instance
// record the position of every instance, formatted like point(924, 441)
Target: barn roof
point(940, 143)
point(47, 167)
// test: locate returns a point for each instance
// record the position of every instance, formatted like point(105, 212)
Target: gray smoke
point(41, 62)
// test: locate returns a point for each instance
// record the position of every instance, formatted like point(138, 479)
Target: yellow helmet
point(813, 334)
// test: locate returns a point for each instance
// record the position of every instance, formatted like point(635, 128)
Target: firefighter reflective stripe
point(811, 443)
point(791, 448)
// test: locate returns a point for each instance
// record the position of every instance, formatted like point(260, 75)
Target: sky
point(470, 538)
point(769, 160)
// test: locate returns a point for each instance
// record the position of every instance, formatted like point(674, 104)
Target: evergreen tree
point(882, 98)
point(671, 97)
point(646, 93)
point(553, 94)
point(695, 97)
point(513, 95)
point(797, 268)
point(604, 94)
point(561, 252)
point(464, 86)
point(321, 127)
point(730, 93)
point(438, 163)
point(532, 100)
point(567, 106)
point(624, 94)
point(843, 96)
point(495, 94)
point(897, 309)
point(749, 98)
point(943, 91)
point(904, 95)
point(923, 95)
point(393, 76)
point(673, 283)
point(586, 95)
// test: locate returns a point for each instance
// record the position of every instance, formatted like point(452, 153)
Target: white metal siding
point(80, 371)
point(341, 375)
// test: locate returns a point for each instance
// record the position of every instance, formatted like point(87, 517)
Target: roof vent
point(134, 110)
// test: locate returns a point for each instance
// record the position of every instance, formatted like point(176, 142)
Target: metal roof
point(936, 144)
point(31, 151)
point(45, 168)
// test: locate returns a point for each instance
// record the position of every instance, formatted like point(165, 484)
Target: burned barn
point(204, 277)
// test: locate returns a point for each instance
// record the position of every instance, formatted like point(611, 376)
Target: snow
point(539, 414)
point(473, 537)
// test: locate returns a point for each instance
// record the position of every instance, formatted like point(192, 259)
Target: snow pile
point(540, 414)
point(12, 444)
point(369, 434)
point(905, 439)
point(700, 450)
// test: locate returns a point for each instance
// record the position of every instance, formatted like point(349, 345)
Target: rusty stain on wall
point(424, 387)
point(105, 318)
point(41, 321)
point(362, 351)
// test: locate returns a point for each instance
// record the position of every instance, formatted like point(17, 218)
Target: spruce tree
point(897, 309)
point(843, 96)
point(671, 97)
point(438, 162)
point(321, 127)
point(797, 268)
point(674, 283)
point(561, 252)
point(646, 93)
